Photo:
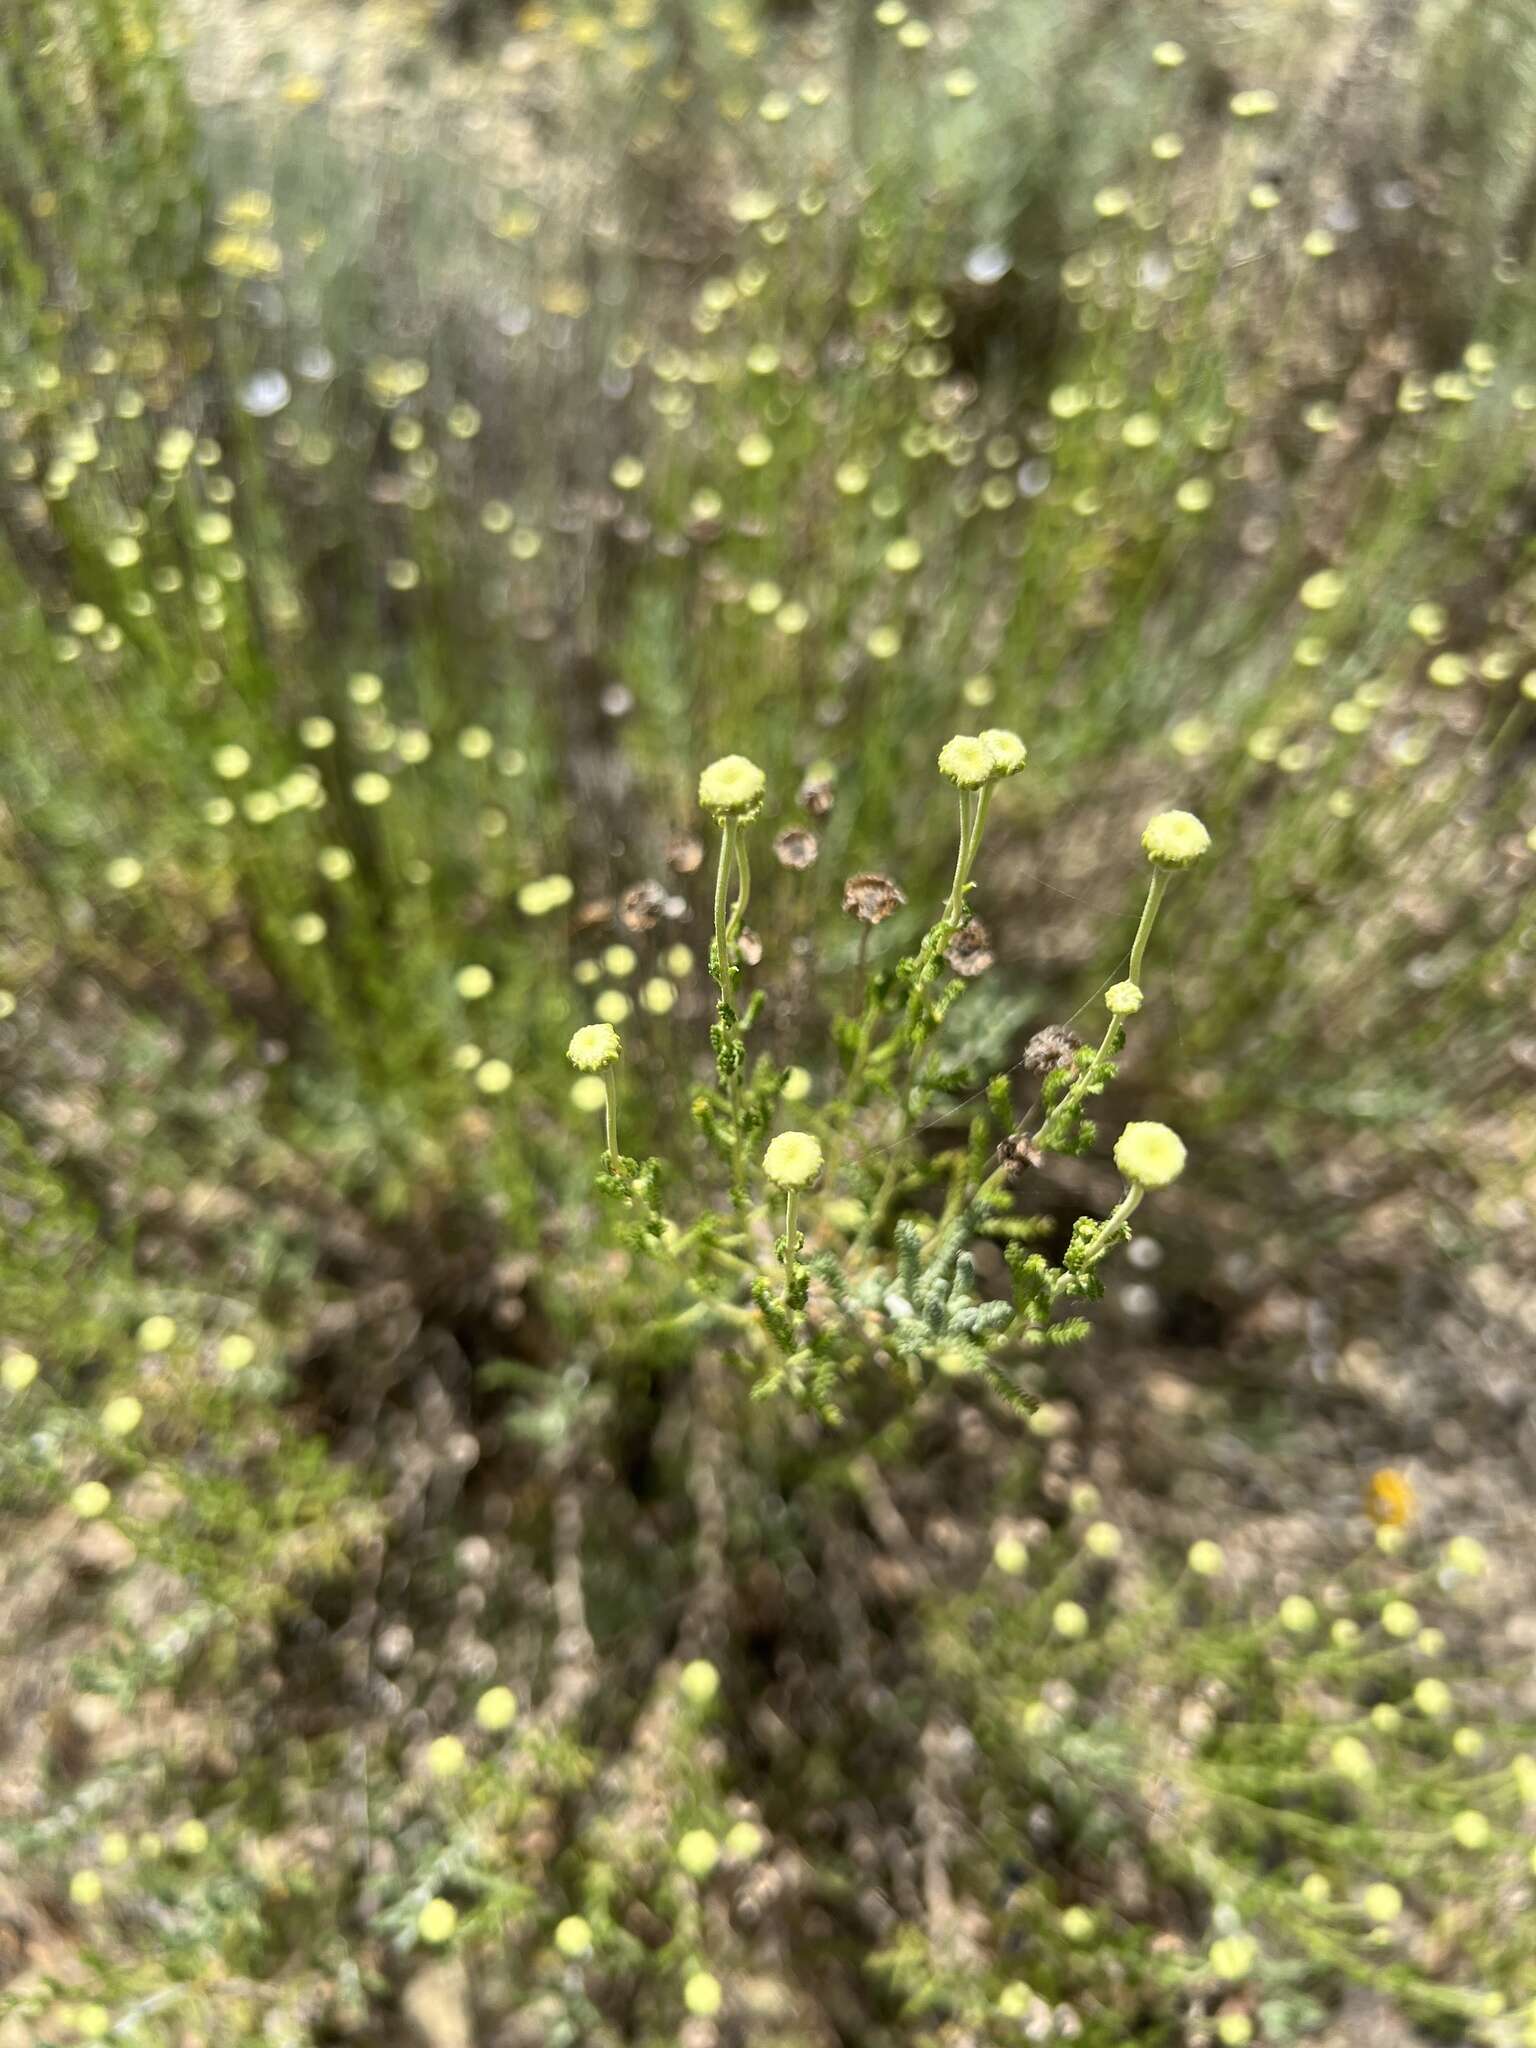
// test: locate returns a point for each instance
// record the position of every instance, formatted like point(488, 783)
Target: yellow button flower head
point(1382, 1902)
point(698, 1852)
point(437, 1920)
point(1470, 1829)
point(700, 1681)
point(496, 1709)
point(1124, 999)
point(593, 1047)
point(732, 787)
point(793, 1160)
point(1175, 839)
point(549, 892)
point(122, 1415)
point(1389, 1498)
point(18, 1369)
point(967, 761)
point(1149, 1155)
point(90, 1499)
point(1008, 751)
point(573, 1937)
point(703, 1995)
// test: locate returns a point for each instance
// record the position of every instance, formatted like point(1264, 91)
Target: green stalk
point(1149, 912)
point(791, 1204)
point(1105, 1235)
point(1074, 1094)
point(743, 889)
point(962, 859)
point(611, 1114)
point(722, 883)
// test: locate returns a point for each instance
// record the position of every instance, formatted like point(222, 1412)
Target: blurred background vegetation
point(427, 435)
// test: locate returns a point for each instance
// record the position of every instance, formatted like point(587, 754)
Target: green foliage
point(436, 1531)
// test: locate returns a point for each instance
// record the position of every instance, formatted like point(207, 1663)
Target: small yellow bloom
point(793, 1160)
point(122, 1416)
point(967, 761)
point(1150, 1155)
point(18, 1369)
point(702, 1995)
point(699, 1681)
point(1008, 751)
point(1389, 1498)
point(732, 787)
point(550, 892)
point(1470, 1829)
point(573, 1937)
point(1070, 1620)
point(436, 1921)
point(698, 1852)
point(496, 1710)
point(1382, 1903)
point(594, 1047)
point(1175, 839)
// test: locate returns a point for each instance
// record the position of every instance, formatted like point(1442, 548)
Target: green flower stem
point(743, 890)
point(728, 836)
point(1109, 1229)
point(791, 1204)
point(1149, 912)
point(973, 816)
point(611, 1113)
point(962, 862)
point(1075, 1093)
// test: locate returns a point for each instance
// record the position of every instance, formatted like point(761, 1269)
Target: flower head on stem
point(595, 1049)
point(793, 1162)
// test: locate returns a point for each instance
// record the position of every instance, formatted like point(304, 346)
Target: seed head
point(732, 787)
point(1175, 839)
point(684, 855)
point(796, 848)
point(1016, 1155)
point(593, 1047)
point(817, 795)
point(1149, 1155)
point(871, 898)
point(793, 1160)
point(641, 907)
point(969, 952)
point(1050, 1049)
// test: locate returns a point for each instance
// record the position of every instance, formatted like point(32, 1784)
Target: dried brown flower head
point(685, 854)
point(595, 911)
point(642, 906)
point(969, 952)
point(796, 848)
point(871, 898)
point(1017, 1155)
point(817, 795)
point(1051, 1048)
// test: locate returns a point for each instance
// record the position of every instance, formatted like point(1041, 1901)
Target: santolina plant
point(879, 1267)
